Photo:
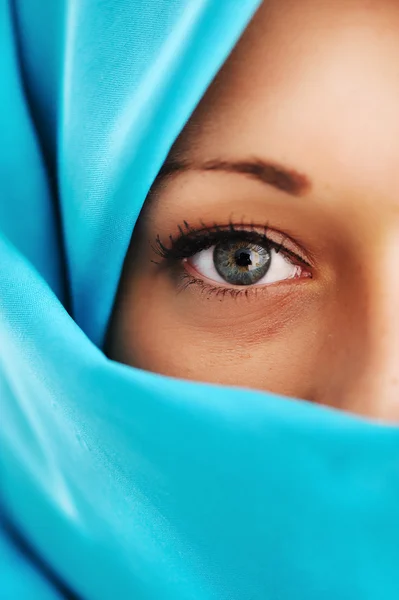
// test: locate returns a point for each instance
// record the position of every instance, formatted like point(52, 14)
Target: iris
point(241, 263)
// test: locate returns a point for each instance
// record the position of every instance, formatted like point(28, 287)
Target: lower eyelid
point(210, 289)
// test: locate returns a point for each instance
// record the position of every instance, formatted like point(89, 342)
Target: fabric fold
point(129, 484)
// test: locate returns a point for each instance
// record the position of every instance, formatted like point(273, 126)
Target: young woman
point(184, 428)
point(267, 252)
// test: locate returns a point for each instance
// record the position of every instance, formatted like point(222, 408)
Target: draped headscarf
point(124, 483)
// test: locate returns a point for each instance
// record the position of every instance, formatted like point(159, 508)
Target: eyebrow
point(285, 179)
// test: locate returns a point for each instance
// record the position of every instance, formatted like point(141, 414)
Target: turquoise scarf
point(126, 484)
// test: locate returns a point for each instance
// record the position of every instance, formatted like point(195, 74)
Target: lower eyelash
point(186, 280)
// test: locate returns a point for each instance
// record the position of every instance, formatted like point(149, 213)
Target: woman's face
point(267, 252)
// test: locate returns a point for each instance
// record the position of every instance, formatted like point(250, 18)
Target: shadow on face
point(267, 253)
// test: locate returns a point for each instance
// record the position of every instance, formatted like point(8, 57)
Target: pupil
point(243, 258)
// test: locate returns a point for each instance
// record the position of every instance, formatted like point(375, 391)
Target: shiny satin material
point(20, 578)
point(128, 484)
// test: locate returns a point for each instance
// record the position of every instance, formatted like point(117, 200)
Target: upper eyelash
point(191, 241)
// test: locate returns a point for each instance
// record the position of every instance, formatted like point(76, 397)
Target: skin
point(313, 88)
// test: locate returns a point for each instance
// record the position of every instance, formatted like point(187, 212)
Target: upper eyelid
point(215, 233)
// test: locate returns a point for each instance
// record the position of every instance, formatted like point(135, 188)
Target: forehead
point(312, 84)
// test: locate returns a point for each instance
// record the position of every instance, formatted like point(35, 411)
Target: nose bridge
point(379, 381)
point(384, 301)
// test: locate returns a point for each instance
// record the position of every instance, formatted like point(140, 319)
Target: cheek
point(271, 344)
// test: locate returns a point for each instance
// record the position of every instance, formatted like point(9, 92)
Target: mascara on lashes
point(190, 241)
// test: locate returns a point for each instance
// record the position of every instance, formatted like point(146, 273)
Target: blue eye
point(241, 263)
